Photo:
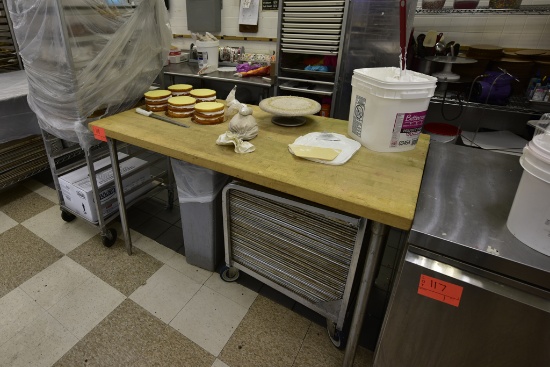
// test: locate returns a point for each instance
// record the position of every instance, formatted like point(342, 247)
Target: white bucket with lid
point(529, 218)
point(208, 54)
point(386, 113)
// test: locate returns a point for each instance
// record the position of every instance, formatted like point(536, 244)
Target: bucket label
point(202, 58)
point(358, 113)
point(407, 128)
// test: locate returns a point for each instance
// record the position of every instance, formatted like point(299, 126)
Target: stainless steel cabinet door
point(494, 323)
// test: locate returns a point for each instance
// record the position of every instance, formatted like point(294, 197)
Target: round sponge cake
point(180, 89)
point(203, 95)
point(182, 101)
point(209, 113)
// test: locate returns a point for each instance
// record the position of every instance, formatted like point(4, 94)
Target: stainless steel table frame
point(191, 70)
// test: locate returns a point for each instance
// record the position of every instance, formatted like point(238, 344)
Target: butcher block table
point(381, 187)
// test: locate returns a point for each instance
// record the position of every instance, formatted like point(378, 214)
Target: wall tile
point(536, 24)
point(476, 24)
point(490, 39)
point(515, 23)
point(529, 41)
point(495, 24)
point(509, 40)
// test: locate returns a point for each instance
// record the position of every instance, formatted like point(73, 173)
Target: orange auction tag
point(99, 133)
point(440, 290)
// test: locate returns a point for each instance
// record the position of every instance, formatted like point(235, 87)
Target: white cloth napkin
point(241, 146)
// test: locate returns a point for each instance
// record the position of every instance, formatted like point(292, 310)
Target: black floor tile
point(153, 228)
point(276, 296)
point(151, 206)
point(171, 216)
point(136, 218)
point(171, 238)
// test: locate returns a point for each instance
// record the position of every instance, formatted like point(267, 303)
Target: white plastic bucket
point(208, 54)
point(529, 217)
point(386, 114)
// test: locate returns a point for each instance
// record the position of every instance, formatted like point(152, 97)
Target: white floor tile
point(165, 293)
point(153, 248)
point(42, 190)
point(6, 222)
point(40, 344)
point(232, 290)
point(17, 310)
point(83, 308)
point(179, 263)
point(62, 235)
point(218, 363)
point(56, 281)
point(209, 320)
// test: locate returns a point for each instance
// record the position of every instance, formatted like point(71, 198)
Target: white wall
point(267, 27)
point(506, 30)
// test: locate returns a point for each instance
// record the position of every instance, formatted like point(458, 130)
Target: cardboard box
point(77, 188)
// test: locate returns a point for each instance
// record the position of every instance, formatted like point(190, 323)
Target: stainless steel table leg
point(376, 241)
point(120, 192)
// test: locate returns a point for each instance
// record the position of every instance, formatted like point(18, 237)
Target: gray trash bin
point(200, 198)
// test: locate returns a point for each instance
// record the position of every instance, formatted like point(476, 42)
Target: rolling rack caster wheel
point(229, 274)
point(67, 217)
point(337, 337)
point(109, 238)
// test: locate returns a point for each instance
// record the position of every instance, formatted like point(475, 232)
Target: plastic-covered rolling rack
point(308, 252)
point(65, 157)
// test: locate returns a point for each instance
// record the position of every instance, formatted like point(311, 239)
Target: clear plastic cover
point(197, 184)
point(87, 59)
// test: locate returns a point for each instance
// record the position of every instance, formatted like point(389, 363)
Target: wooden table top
point(378, 186)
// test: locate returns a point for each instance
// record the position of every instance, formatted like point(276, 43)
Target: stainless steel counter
point(462, 209)
point(190, 70)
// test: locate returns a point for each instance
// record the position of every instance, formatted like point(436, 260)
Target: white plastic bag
point(197, 184)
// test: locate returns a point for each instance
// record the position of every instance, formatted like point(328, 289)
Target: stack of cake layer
point(181, 106)
point(209, 113)
point(157, 100)
point(180, 89)
point(203, 95)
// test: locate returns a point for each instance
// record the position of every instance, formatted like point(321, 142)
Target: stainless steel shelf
point(532, 9)
point(516, 104)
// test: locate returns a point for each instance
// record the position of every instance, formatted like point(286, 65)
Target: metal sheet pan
point(309, 72)
point(310, 41)
point(305, 19)
point(311, 36)
point(317, 32)
point(308, 52)
point(310, 47)
point(315, 3)
point(315, 15)
point(316, 25)
point(314, 8)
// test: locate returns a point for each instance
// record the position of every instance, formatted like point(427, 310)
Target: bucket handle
point(410, 94)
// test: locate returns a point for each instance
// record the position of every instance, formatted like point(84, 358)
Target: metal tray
point(311, 36)
point(309, 72)
point(305, 19)
point(317, 32)
point(316, 25)
point(314, 8)
point(315, 15)
point(310, 47)
point(310, 41)
point(315, 3)
point(308, 52)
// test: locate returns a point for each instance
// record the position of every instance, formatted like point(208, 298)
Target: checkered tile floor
point(66, 300)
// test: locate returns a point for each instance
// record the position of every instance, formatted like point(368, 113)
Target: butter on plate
point(305, 151)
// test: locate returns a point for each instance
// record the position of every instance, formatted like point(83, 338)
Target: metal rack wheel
point(109, 238)
point(67, 217)
point(337, 337)
point(229, 274)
